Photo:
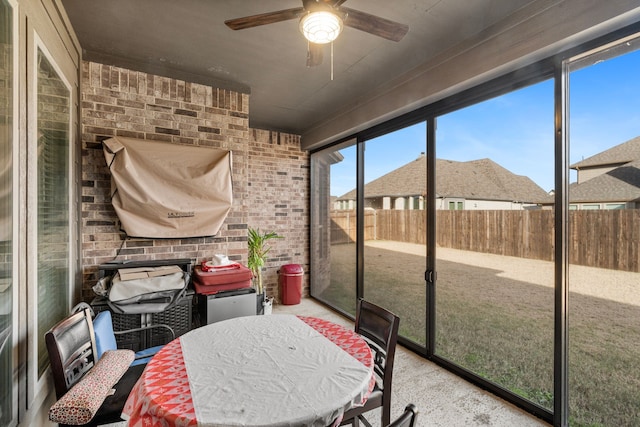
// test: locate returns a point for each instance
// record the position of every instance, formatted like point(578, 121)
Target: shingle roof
point(478, 179)
point(618, 185)
point(620, 154)
point(621, 184)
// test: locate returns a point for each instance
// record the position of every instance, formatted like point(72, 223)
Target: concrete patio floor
point(442, 398)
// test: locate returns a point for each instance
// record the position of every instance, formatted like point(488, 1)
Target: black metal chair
point(379, 327)
point(408, 417)
point(72, 354)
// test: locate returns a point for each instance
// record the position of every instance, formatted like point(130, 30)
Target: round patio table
point(275, 370)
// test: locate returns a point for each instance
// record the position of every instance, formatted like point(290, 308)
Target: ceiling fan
point(321, 22)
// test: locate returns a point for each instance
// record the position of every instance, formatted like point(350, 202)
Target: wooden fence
point(603, 238)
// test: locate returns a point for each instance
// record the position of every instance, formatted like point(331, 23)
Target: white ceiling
point(188, 39)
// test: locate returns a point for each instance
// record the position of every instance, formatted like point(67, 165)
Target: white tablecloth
point(265, 371)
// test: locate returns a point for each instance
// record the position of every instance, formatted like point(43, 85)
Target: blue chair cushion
point(143, 356)
point(103, 330)
point(106, 339)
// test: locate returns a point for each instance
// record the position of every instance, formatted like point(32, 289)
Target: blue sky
point(516, 130)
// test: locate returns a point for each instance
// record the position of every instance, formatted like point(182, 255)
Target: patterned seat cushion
point(80, 404)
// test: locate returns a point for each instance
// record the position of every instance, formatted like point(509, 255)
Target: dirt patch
point(613, 285)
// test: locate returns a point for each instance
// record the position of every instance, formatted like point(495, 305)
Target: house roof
point(478, 180)
point(619, 181)
point(621, 184)
point(618, 155)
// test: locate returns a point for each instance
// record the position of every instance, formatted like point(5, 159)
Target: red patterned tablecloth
point(163, 394)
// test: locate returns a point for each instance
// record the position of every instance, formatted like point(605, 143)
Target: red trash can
point(290, 280)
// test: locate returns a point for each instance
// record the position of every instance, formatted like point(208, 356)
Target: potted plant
point(258, 250)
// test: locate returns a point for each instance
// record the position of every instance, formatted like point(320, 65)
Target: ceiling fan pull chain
point(331, 61)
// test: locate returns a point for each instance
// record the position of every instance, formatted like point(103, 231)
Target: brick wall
point(278, 188)
point(270, 172)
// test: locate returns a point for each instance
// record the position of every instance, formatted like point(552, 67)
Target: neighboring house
point(474, 185)
point(608, 180)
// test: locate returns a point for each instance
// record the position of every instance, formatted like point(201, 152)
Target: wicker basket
point(179, 318)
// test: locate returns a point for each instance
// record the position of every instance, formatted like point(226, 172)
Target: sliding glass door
point(604, 290)
point(391, 268)
point(334, 226)
point(532, 290)
point(494, 241)
point(395, 191)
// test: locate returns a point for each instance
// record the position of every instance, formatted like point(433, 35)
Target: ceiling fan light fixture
point(321, 27)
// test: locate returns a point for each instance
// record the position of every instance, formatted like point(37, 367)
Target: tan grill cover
point(164, 190)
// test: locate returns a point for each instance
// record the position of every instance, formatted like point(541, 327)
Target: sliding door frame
point(555, 68)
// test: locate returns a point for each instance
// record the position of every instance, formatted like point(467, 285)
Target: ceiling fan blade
point(375, 25)
point(264, 18)
point(315, 53)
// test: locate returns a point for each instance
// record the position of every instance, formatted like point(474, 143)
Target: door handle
point(430, 276)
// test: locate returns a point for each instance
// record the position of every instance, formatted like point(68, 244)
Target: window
point(456, 206)
point(53, 231)
point(590, 207)
point(615, 206)
point(7, 118)
point(417, 202)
